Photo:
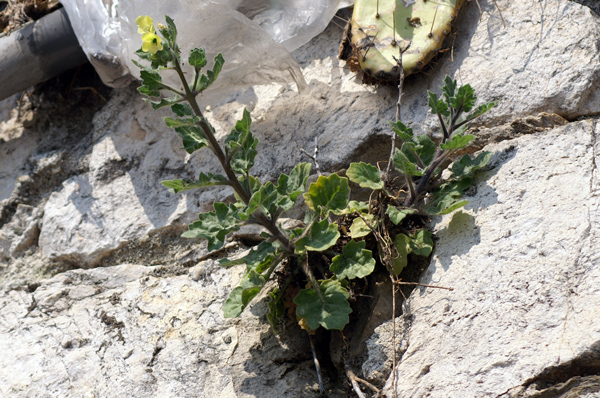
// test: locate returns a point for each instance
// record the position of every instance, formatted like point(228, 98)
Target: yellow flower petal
point(151, 43)
point(145, 24)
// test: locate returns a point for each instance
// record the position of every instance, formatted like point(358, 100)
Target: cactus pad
point(380, 28)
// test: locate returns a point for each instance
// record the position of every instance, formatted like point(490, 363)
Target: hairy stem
point(239, 189)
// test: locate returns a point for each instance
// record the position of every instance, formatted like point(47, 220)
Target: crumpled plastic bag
point(254, 36)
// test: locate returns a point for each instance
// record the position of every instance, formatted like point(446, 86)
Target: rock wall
point(100, 296)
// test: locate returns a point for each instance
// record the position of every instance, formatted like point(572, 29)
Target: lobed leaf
point(294, 184)
point(204, 180)
point(437, 106)
point(359, 228)
point(420, 146)
point(242, 145)
point(175, 99)
point(458, 141)
point(405, 133)
point(366, 175)
point(151, 83)
point(197, 58)
point(404, 165)
point(322, 236)
point(449, 89)
point(331, 313)
point(466, 167)
point(396, 216)
point(465, 99)
point(480, 110)
point(257, 258)
point(182, 110)
point(361, 207)
point(215, 226)
point(355, 262)
point(328, 194)
point(192, 135)
point(268, 198)
point(240, 297)
point(421, 243)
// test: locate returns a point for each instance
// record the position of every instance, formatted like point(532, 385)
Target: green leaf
point(197, 58)
point(447, 205)
point(480, 110)
point(206, 80)
point(405, 133)
point(294, 184)
point(465, 99)
point(268, 198)
point(175, 99)
point(172, 29)
point(204, 180)
point(151, 83)
point(182, 110)
point(366, 175)
point(331, 314)
point(321, 237)
point(359, 228)
point(404, 165)
point(421, 244)
point(421, 146)
point(361, 207)
point(328, 194)
point(355, 262)
point(193, 136)
point(242, 145)
point(447, 196)
point(449, 90)
point(457, 141)
point(240, 297)
point(256, 259)
point(466, 167)
point(218, 63)
point(437, 106)
point(402, 244)
point(396, 216)
point(214, 226)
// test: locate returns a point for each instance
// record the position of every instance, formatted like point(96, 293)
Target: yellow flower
point(151, 43)
point(145, 23)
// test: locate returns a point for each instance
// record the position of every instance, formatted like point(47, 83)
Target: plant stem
point(235, 184)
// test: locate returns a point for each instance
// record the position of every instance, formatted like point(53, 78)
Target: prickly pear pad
point(381, 28)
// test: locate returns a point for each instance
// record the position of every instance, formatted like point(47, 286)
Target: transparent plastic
point(254, 36)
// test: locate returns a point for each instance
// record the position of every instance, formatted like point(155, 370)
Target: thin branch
point(423, 285)
point(314, 157)
point(317, 366)
point(311, 278)
point(398, 110)
point(500, 13)
point(167, 87)
point(354, 378)
point(394, 360)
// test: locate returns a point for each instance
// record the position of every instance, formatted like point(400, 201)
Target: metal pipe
point(37, 52)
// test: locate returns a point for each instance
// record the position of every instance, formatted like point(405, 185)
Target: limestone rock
point(131, 330)
point(523, 261)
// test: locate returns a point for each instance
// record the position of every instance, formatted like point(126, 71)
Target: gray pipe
point(37, 52)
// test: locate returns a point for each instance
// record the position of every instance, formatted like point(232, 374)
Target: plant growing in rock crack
point(324, 300)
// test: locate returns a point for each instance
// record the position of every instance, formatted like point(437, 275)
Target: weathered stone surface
point(525, 301)
point(118, 197)
point(130, 330)
point(523, 261)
